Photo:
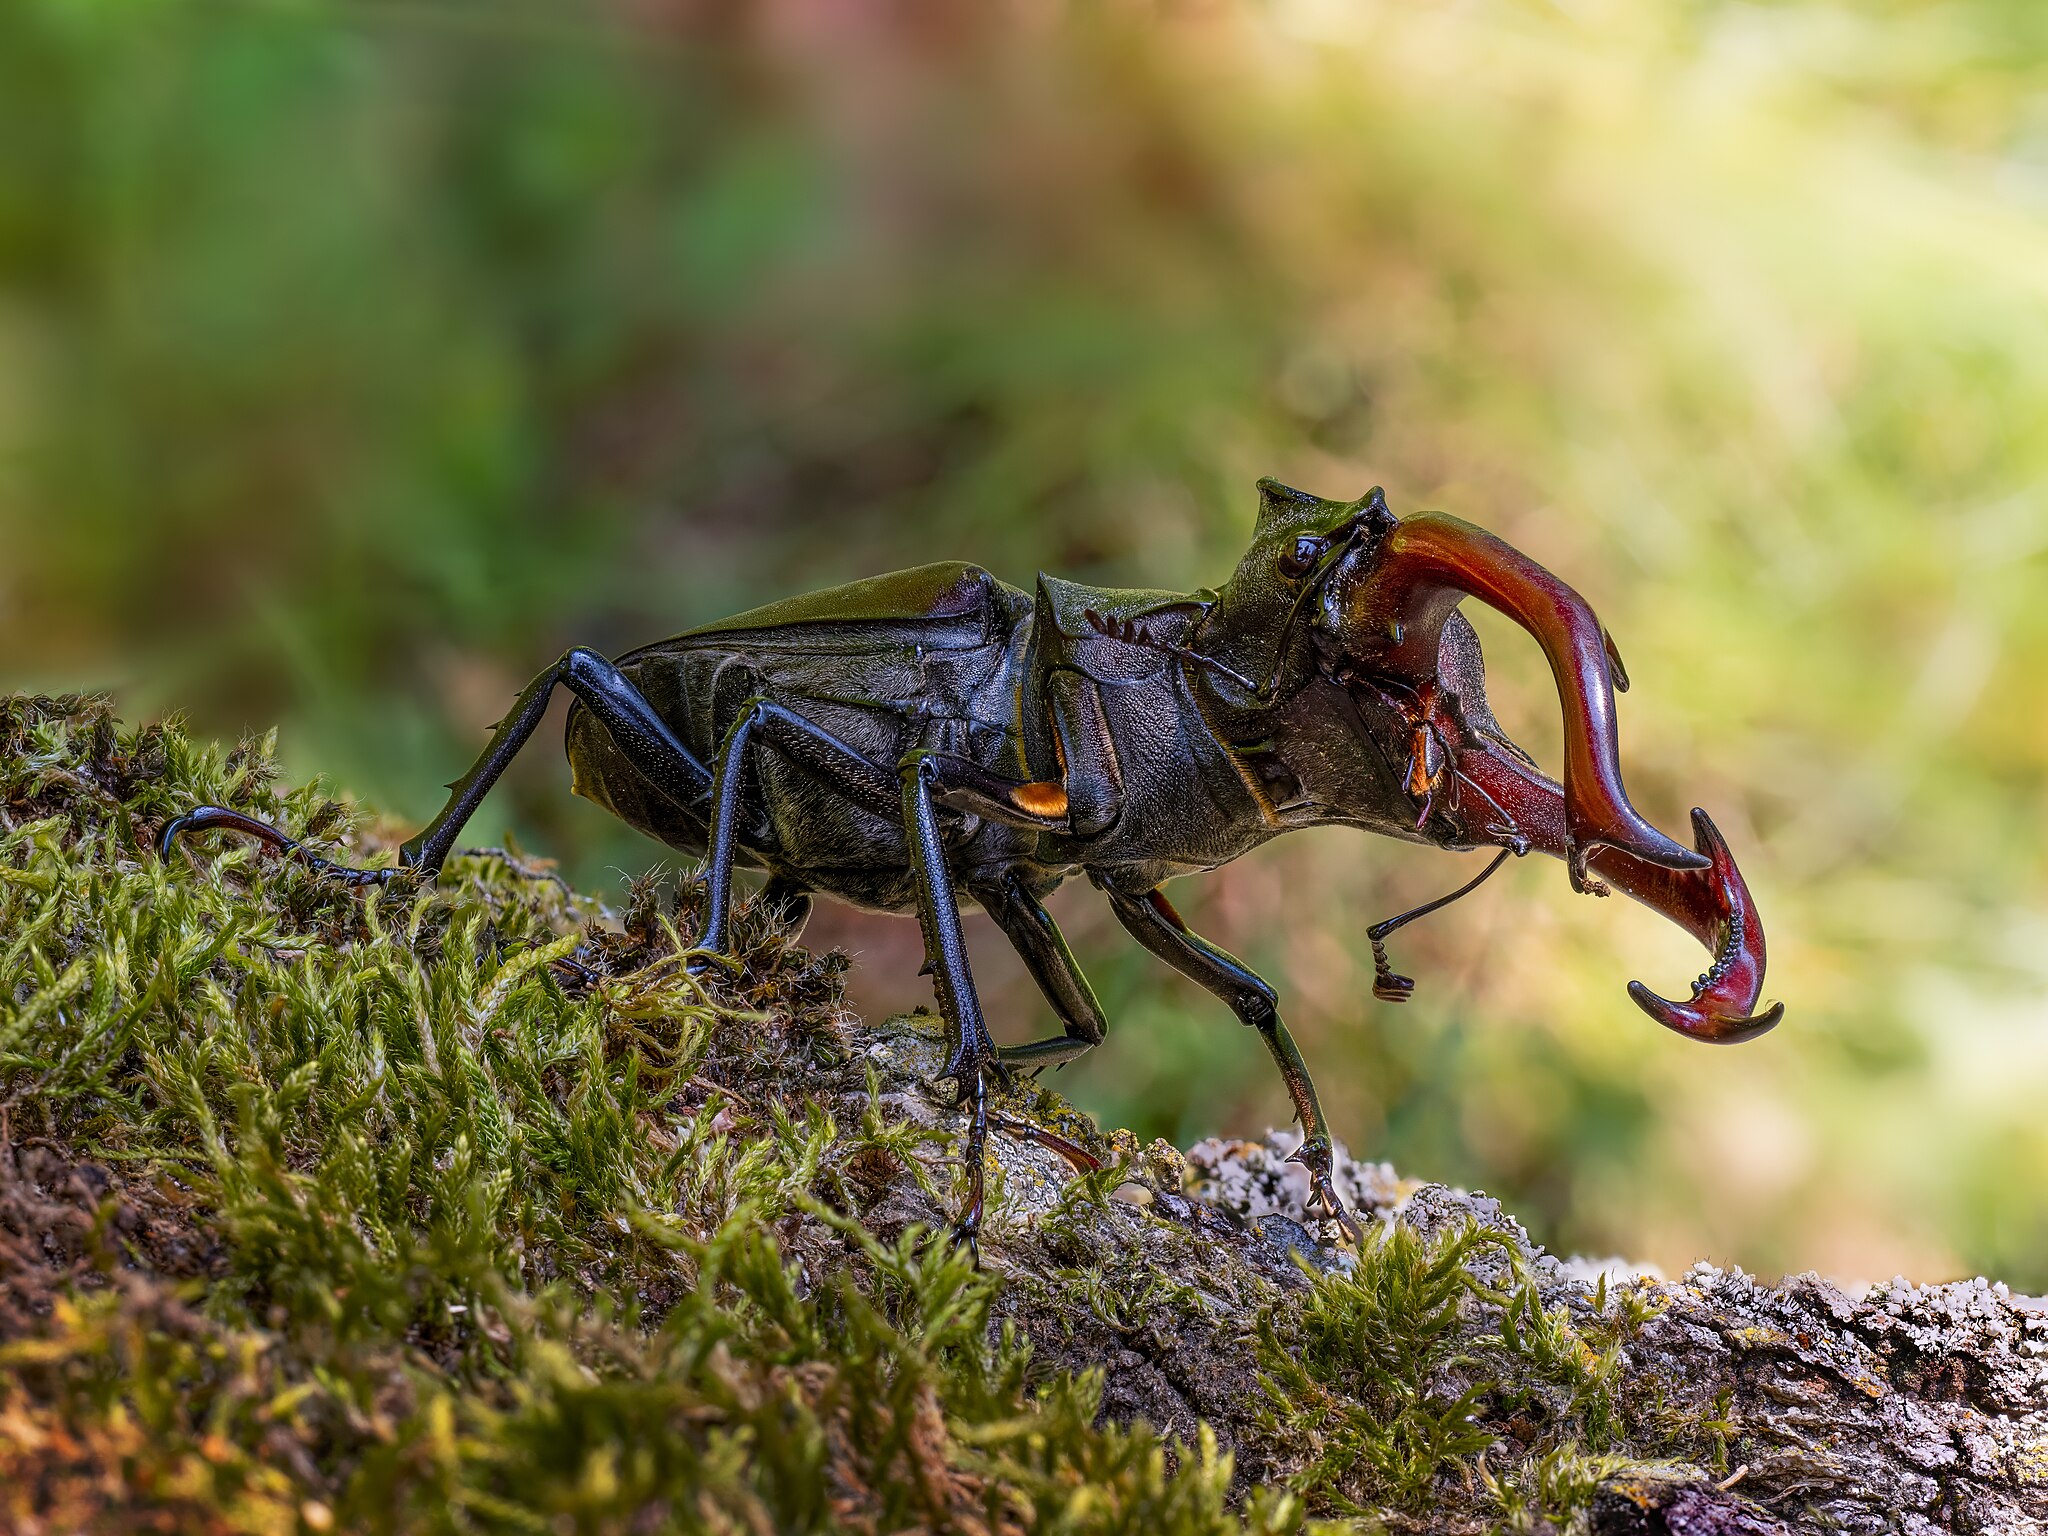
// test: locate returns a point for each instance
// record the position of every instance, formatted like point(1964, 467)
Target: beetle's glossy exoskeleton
point(902, 740)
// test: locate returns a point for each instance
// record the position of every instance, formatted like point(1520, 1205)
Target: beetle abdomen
point(927, 658)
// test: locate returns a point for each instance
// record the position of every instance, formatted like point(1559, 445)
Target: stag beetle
point(898, 740)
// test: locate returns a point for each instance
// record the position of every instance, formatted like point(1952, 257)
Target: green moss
point(469, 1209)
point(1408, 1367)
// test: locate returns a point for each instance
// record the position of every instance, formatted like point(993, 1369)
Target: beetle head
point(1296, 545)
point(1377, 597)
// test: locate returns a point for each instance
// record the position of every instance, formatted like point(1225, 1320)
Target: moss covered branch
point(468, 1209)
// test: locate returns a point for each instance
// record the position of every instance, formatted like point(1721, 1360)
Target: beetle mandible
point(897, 741)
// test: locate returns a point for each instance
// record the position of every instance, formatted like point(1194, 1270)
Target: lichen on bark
point(470, 1209)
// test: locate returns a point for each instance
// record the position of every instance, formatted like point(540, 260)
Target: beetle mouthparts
point(1719, 1009)
point(1395, 612)
point(1511, 802)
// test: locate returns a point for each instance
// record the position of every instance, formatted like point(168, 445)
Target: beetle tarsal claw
point(972, 1078)
point(699, 961)
point(204, 818)
point(1323, 1203)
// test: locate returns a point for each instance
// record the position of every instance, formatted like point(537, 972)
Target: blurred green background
point(356, 358)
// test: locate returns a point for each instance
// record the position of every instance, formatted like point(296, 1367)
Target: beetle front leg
point(1152, 921)
point(972, 1058)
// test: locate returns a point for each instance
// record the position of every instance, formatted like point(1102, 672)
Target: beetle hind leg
point(972, 1060)
point(205, 818)
point(633, 724)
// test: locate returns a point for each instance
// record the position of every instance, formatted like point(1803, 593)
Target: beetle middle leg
point(1043, 948)
point(972, 1059)
point(1152, 921)
point(913, 793)
point(812, 748)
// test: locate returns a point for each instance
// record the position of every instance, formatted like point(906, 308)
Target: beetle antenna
point(1389, 987)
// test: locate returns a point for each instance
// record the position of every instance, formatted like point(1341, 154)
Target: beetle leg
point(633, 724)
point(1090, 773)
point(1079, 1158)
point(202, 818)
point(972, 1058)
point(912, 794)
point(726, 783)
point(792, 902)
point(961, 784)
point(1037, 939)
point(810, 747)
point(1152, 921)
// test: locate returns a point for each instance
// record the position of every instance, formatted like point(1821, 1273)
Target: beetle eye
point(1300, 560)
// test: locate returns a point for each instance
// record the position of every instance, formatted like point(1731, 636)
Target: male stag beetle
point(901, 739)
